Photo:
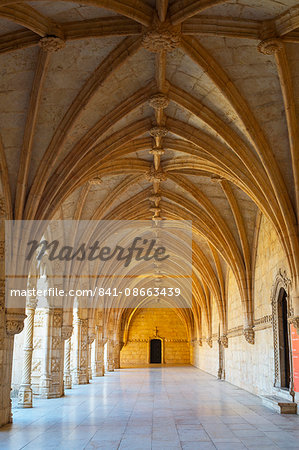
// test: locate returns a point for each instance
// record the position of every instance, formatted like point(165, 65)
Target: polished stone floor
point(152, 408)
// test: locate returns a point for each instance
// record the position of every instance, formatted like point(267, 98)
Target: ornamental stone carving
point(158, 132)
point(156, 175)
point(249, 335)
point(157, 151)
point(51, 44)
point(224, 340)
point(96, 181)
point(155, 198)
point(91, 338)
point(14, 323)
point(66, 332)
point(209, 341)
point(295, 322)
point(161, 36)
point(270, 46)
point(159, 101)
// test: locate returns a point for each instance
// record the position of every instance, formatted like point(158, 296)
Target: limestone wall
point(249, 366)
point(142, 328)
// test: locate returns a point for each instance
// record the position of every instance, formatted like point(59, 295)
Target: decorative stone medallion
point(51, 44)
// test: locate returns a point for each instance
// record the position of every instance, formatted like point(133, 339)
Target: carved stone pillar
point(90, 340)
point(67, 378)
point(45, 379)
point(116, 349)
point(110, 356)
point(25, 391)
point(80, 351)
point(66, 333)
point(98, 359)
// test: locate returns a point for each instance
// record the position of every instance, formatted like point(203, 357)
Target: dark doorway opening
point(284, 348)
point(155, 351)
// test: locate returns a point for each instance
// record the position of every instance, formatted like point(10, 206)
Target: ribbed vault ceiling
point(106, 103)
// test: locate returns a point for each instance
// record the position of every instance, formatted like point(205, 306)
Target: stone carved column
point(110, 356)
point(90, 340)
point(45, 379)
point(98, 360)
point(66, 333)
point(67, 378)
point(25, 391)
point(80, 352)
point(117, 349)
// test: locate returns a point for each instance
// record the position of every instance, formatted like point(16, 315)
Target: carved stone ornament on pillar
point(14, 323)
point(224, 340)
point(270, 46)
point(66, 332)
point(209, 341)
point(249, 335)
point(295, 322)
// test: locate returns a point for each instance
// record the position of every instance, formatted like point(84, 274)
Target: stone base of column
point(25, 396)
point(44, 388)
point(79, 378)
point(67, 380)
point(110, 367)
point(98, 370)
point(5, 416)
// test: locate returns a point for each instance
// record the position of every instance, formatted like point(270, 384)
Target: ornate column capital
point(295, 322)
point(14, 323)
point(270, 46)
point(249, 334)
point(66, 332)
point(51, 44)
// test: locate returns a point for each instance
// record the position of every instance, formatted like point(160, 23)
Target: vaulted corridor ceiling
point(165, 110)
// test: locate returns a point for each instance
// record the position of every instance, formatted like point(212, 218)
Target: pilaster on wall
point(97, 357)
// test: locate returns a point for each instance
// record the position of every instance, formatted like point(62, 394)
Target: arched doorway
point(283, 339)
point(155, 351)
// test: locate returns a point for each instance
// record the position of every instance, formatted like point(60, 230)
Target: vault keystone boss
point(145, 251)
